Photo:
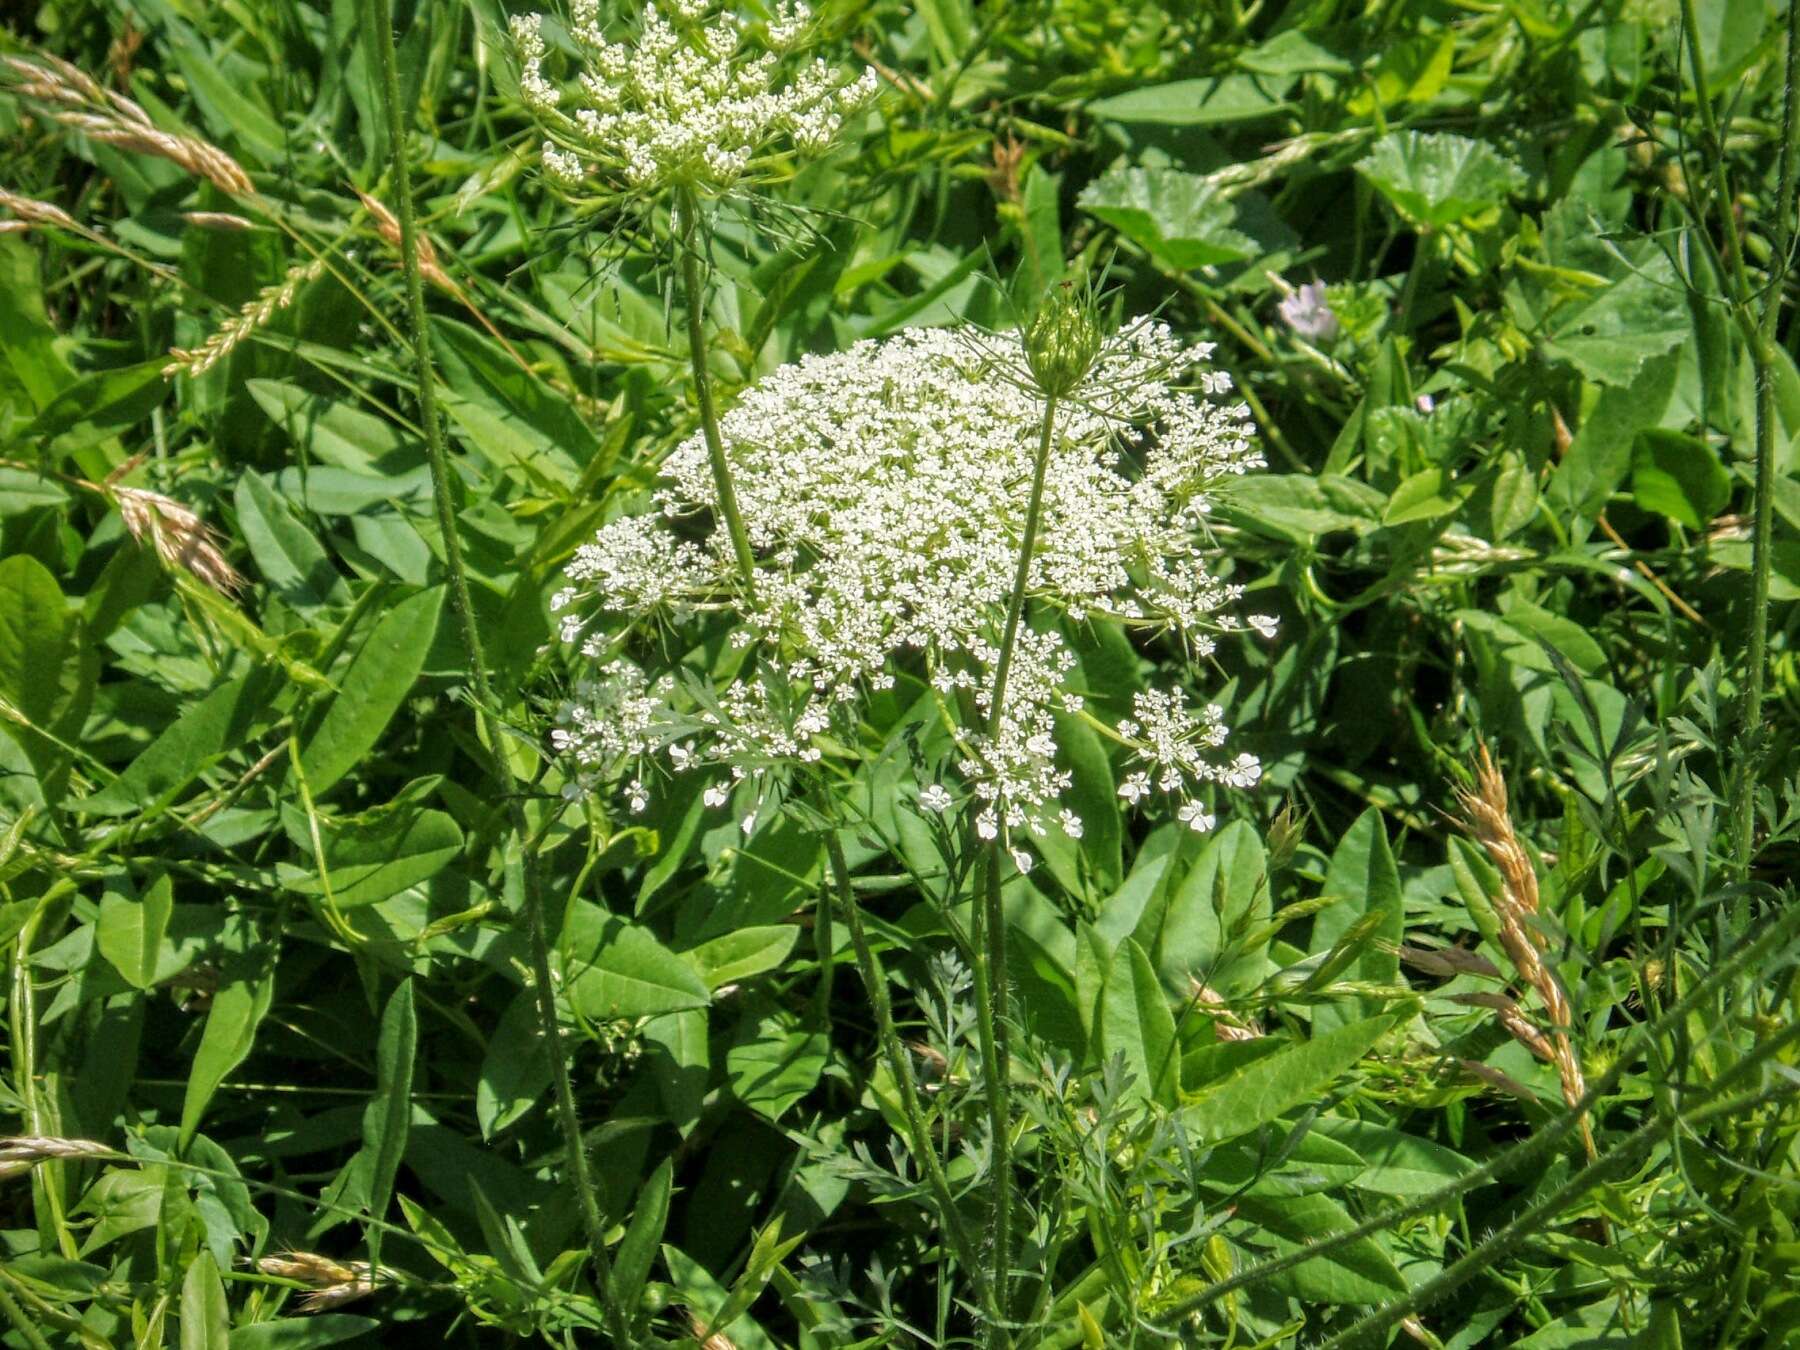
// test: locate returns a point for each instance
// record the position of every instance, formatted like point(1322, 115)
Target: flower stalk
point(693, 294)
point(918, 1134)
point(990, 957)
point(567, 1116)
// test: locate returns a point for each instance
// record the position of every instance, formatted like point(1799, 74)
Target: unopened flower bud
point(1063, 341)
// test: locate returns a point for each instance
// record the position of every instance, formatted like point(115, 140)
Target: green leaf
point(379, 854)
point(1438, 179)
point(388, 1115)
point(1396, 1163)
point(1679, 476)
point(775, 1062)
point(1601, 453)
point(1134, 1020)
point(290, 559)
point(1632, 311)
point(129, 932)
point(515, 1068)
point(613, 969)
point(513, 418)
point(302, 1333)
point(231, 1023)
point(1360, 1272)
point(205, 1316)
point(637, 1249)
point(1195, 103)
point(106, 399)
point(35, 634)
point(1269, 1086)
point(378, 681)
point(337, 433)
point(1363, 877)
point(749, 951)
point(221, 722)
point(1426, 495)
point(1179, 218)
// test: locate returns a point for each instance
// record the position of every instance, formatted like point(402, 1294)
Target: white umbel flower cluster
point(884, 490)
point(687, 102)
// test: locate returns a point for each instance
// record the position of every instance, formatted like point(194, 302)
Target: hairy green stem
point(693, 294)
point(1762, 354)
point(990, 992)
point(919, 1134)
point(21, 1324)
point(587, 1202)
point(1748, 955)
point(1620, 1158)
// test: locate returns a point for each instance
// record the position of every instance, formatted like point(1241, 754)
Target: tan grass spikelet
point(28, 211)
point(73, 98)
point(176, 532)
point(389, 229)
point(1488, 821)
point(270, 301)
point(332, 1283)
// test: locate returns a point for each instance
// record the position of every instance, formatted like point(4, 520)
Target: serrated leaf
point(1437, 178)
point(1179, 218)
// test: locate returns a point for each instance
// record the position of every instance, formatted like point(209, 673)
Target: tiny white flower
point(1135, 787)
point(987, 825)
point(1265, 624)
point(716, 795)
point(1021, 859)
point(1195, 817)
point(934, 798)
point(638, 798)
point(1070, 822)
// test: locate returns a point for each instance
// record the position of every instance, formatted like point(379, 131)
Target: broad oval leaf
point(613, 969)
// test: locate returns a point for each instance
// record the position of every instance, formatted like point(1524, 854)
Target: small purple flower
point(1306, 312)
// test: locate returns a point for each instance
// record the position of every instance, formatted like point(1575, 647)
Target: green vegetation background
point(1509, 500)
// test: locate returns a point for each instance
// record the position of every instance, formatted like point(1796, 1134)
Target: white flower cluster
point(885, 490)
point(689, 102)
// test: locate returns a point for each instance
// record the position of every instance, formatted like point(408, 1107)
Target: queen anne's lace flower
point(688, 103)
point(884, 490)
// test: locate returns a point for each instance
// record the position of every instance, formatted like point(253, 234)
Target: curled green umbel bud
point(1063, 340)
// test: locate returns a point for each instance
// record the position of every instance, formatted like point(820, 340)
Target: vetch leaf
point(380, 854)
point(231, 1023)
point(637, 1249)
point(515, 1069)
point(1195, 103)
point(1135, 1021)
point(205, 1316)
point(389, 1112)
point(1679, 476)
point(129, 932)
point(1262, 1089)
point(739, 955)
point(372, 690)
point(35, 634)
point(613, 969)
point(221, 722)
point(1362, 874)
point(290, 559)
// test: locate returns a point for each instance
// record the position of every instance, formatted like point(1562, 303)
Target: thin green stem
point(1762, 355)
point(919, 1134)
point(693, 295)
point(586, 1200)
